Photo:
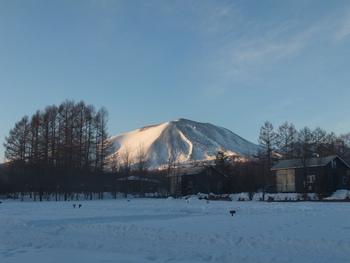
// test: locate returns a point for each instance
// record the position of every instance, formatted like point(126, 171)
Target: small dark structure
point(316, 174)
point(137, 185)
point(197, 179)
point(232, 212)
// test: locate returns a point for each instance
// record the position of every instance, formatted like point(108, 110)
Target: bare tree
point(306, 143)
point(126, 168)
point(141, 160)
point(304, 151)
point(331, 140)
point(320, 141)
point(48, 142)
point(89, 136)
point(285, 139)
point(174, 176)
point(16, 144)
point(343, 146)
point(141, 168)
point(246, 177)
point(222, 161)
point(102, 142)
point(35, 166)
point(49, 130)
point(115, 169)
point(16, 150)
point(267, 141)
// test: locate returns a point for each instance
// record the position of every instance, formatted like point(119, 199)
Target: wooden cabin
point(317, 174)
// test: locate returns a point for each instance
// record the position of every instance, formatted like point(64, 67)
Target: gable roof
point(311, 162)
point(192, 170)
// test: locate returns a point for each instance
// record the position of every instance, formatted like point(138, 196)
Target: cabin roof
point(193, 170)
point(310, 162)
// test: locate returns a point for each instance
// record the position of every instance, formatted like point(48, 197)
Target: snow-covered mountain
point(180, 141)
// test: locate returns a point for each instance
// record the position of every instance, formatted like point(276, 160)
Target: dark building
point(137, 186)
point(317, 174)
point(197, 179)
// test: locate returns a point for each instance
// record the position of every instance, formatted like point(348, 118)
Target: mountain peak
point(181, 120)
point(180, 141)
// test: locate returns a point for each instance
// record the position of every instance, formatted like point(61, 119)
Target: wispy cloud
point(213, 18)
point(247, 50)
point(343, 30)
point(272, 47)
point(260, 44)
point(200, 17)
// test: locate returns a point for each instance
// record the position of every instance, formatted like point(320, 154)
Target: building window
point(344, 180)
point(311, 179)
point(334, 164)
point(220, 185)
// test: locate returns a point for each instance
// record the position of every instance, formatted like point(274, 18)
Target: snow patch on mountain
point(180, 141)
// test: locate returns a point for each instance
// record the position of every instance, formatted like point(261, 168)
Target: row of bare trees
point(290, 143)
point(63, 149)
point(58, 148)
point(293, 143)
point(285, 142)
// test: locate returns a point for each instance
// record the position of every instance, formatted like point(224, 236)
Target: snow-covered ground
point(169, 230)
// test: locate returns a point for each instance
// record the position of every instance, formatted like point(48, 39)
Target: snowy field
point(169, 230)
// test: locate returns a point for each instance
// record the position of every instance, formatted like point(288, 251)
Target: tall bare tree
point(141, 161)
point(267, 141)
point(222, 161)
point(102, 143)
point(126, 168)
point(285, 139)
point(304, 151)
point(320, 141)
point(141, 168)
point(17, 148)
point(343, 146)
point(17, 144)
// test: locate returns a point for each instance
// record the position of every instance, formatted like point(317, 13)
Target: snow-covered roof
point(311, 162)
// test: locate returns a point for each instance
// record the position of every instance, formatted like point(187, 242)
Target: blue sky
point(235, 64)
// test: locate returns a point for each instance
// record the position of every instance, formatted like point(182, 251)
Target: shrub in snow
point(202, 196)
point(339, 195)
point(240, 197)
point(270, 199)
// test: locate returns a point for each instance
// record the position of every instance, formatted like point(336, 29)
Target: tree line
point(57, 149)
point(285, 142)
point(62, 150)
point(289, 143)
point(292, 143)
